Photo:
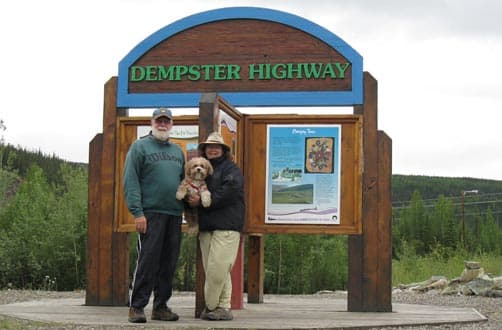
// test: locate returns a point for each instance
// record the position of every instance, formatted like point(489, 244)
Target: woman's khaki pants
point(219, 250)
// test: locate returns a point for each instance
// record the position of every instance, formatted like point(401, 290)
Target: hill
point(432, 187)
point(19, 160)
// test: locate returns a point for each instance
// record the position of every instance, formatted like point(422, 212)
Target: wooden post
point(108, 270)
point(200, 278)
point(369, 253)
point(208, 122)
point(208, 115)
point(93, 219)
point(384, 289)
point(256, 268)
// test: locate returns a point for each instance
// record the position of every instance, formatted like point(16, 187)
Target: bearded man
point(154, 168)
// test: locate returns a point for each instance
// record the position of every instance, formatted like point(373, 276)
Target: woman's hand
point(193, 200)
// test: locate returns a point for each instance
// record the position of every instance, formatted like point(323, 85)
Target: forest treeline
point(43, 229)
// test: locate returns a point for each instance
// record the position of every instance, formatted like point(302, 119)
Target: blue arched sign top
point(241, 98)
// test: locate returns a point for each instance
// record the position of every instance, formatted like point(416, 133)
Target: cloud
point(436, 63)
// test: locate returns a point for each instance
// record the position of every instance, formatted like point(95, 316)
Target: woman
point(220, 227)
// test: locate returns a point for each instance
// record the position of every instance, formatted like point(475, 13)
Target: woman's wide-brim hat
point(214, 138)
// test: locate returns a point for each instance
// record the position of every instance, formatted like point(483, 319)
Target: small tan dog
point(196, 171)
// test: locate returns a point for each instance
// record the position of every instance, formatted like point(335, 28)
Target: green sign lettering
point(256, 71)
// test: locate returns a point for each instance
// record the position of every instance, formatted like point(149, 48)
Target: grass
point(412, 268)
point(11, 323)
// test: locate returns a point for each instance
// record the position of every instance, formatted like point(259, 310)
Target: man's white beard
point(161, 135)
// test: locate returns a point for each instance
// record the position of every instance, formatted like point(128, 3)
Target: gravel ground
point(489, 307)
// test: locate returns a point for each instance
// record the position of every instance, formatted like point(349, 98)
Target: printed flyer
point(303, 174)
point(187, 137)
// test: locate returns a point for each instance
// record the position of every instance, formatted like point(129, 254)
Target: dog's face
point(198, 168)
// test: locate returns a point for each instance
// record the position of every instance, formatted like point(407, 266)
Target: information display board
point(303, 174)
point(128, 130)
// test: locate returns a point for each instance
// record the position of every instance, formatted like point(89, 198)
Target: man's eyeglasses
point(163, 120)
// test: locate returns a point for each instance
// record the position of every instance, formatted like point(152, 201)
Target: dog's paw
point(180, 194)
point(206, 202)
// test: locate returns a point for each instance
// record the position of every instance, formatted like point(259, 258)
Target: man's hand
point(140, 224)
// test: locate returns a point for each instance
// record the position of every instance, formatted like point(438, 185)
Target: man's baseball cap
point(162, 112)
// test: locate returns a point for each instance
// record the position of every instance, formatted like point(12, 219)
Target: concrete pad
point(277, 312)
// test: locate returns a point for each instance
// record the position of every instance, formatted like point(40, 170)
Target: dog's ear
point(209, 168)
point(188, 166)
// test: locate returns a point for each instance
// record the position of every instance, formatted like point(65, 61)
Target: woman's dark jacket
point(226, 185)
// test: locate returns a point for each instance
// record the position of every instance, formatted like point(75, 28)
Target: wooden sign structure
point(243, 57)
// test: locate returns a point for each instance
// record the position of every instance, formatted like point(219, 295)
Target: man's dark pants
point(158, 252)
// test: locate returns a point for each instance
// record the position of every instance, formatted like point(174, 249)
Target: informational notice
point(303, 174)
point(187, 137)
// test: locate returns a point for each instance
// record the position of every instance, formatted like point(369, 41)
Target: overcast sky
point(437, 63)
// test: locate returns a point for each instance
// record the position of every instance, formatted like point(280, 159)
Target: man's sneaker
point(164, 313)
point(220, 314)
point(136, 315)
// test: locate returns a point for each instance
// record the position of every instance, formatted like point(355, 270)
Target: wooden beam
point(109, 251)
point(93, 219)
point(200, 278)
point(208, 122)
point(256, 268)
point(107, 198)
point(384, 289)
point(364, 249)
point(208, 115)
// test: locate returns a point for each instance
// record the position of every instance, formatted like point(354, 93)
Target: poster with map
point(303, 174)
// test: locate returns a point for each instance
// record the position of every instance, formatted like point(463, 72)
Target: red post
point(237, 275)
